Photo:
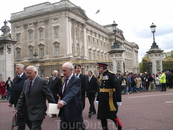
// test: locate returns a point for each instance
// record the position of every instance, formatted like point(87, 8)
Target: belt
point(110, 91)
point(107, 90)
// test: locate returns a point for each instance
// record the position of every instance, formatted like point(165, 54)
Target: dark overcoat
point(109, 81)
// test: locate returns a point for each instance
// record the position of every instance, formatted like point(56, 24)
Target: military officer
point(109, 97)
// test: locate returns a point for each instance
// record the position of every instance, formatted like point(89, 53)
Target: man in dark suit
point(55, 85)
point(92, 88)
point(83, 83)
point(17, 88)
point(70, 105)
point(34, 95)
point(83, 88)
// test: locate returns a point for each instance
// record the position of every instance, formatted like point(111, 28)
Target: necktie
point(65, 86)
point(29, 87)
point(77, 75)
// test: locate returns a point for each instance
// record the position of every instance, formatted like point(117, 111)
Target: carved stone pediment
point(79, 11)
point(120, 34)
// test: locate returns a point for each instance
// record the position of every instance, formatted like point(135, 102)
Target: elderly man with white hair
point(34, 95)
point(70, 105)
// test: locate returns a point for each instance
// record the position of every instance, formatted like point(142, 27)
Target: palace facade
point(50, 34)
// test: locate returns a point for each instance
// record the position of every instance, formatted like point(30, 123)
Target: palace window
point(30, 31)
point(18, 37)
point(56, 50)
point(30, 36)
point(31, 53)
point(41, 52)
point(41, 33)
point(18, 56)
point(56, 31)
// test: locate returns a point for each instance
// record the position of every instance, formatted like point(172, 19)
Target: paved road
point(139, 111)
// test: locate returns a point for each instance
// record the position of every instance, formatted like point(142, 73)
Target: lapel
point(70, 81)
point(80, 76)
point(22, 76)
point(26, 87)
point(34, 85)
point(90, 79)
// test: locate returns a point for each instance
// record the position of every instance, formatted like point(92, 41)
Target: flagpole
point(100, 17)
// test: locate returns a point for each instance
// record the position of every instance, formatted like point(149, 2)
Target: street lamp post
point(153, 30)
point(114, 26)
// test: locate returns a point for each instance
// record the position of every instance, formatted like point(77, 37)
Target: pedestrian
point(151, 82)
point(157, 83)
point(124, 85)
point(163, 81)
point(138, 82)
point(70, 104)
point(146, 82)
point(17, 88)
point(34, 94)
point(83, 78)
point(92, 88)
point(9, 85)
point(109, 97)
point(129, 81)
point(55, 85)
point(2, 89)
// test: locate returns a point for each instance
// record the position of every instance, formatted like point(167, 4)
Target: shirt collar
point(77, 74)
point(70, 77)
point(20, 75)
point(34, 79)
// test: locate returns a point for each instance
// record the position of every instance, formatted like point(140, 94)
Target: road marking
point(151, 95)
point(169, 102)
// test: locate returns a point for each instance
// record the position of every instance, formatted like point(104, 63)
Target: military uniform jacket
point(108, 100)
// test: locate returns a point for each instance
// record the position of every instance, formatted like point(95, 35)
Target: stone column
point(85, 42)
point(117, 60)
point(6, 54)
point(155, 56)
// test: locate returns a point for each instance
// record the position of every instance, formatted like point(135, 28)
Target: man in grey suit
point(34, 94)
point(70, 104)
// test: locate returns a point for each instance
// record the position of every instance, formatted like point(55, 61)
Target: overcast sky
point(134, 18)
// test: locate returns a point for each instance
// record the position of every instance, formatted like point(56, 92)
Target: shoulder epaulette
point(112, 72)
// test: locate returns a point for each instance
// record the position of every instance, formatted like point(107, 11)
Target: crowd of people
point(6, 89)
point(146, 81)
point(28, 93)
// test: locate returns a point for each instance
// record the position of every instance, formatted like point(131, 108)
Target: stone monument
point(117, 60)
point(155, 56)
point(6, 53)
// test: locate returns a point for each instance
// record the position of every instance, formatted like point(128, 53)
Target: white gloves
point(97, 102)
point(119, 103)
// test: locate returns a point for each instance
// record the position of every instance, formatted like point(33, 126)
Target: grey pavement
point(139, 111)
